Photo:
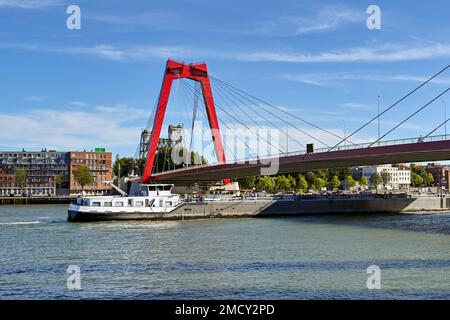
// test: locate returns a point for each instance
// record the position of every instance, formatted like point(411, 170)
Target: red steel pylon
point(177, 70)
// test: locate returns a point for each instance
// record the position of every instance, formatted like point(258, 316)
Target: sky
point(96, 86)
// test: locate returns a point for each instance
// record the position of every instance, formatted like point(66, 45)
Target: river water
point(311, 257)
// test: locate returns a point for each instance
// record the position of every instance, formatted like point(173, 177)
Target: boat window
point(118, 204)
point(130, 202)
point(107, 204)
point(160, 188)
point(152, 188)
point(139, 203)
point(96, 204)
point(168, 203)
point(167, 188)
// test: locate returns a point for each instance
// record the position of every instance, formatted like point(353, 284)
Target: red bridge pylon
point(177, 70)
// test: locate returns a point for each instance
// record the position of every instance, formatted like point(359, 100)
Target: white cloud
point(357, 106)
point(69, 130)
point(327, 79)
point(386, 53)
point(28, 4)
point(325, 19)
point(80, 104)
point(37, 98)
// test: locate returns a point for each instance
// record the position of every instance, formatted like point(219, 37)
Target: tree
point(266, 183)
point(247, 182)
point(292, 181)
point(335, 182)
point(83, 176)
point(310, 178)
point(376, 179)
point(416, 180)
point(282, 183)
point(21, 179)
point(318, 184)
point(126, 167)
point(59, 180)
point(363, 181)
point(386, 177)
point(302, 183)
point(429, 179)
point(350, 182)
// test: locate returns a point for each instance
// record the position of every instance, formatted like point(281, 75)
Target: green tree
point(59, 180)
point(310, 177)
point(318, 184)
point(282, 183)
point(83, 176)
point(350, 182)
point(416, 180)
point(292, 181)
point(126, 166)
point(247, 182)
point(429, 179)
point(21, 179)
point(302, 183)
point(335, 182)
point(376, 179)
point(363, 181)
point(386, 177)
point(266, 183)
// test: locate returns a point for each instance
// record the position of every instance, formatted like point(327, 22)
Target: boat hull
point(79, 216)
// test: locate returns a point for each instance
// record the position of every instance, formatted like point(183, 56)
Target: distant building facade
point(48, 171)
point(41, 169)
point(440, 173)
point(400, 176)
point(100, 165)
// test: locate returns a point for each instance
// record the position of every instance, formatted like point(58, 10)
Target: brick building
point(50, 172)
point(41, 169)
point(441, 175)
point(100, 165)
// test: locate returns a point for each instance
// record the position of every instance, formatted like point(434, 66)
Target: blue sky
point(95, 87)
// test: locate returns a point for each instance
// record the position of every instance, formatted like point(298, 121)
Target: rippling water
point(312, 257)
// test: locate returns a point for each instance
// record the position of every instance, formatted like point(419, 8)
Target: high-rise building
point(41, 170)
point(46, 173)
point(100, 166)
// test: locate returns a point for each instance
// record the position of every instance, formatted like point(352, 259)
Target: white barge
point(146, 201)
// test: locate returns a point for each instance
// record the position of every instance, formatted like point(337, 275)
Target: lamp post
point(345, 134)
point(379, 127)
point(445, 117)
point(118, 169)
point(287, 136)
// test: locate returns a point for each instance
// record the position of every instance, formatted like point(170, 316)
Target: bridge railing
point(393, 142)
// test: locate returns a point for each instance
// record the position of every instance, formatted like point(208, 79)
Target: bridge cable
point(236, 119)
point(287, 122)
point(392, 106)
point(239, 91)
point(410, 116)
point(218, 90)
point(226, 125)
point(435, 129)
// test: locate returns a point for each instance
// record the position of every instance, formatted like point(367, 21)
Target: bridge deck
point(408, 152)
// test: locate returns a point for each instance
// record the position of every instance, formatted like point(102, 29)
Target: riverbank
point(35, 200)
